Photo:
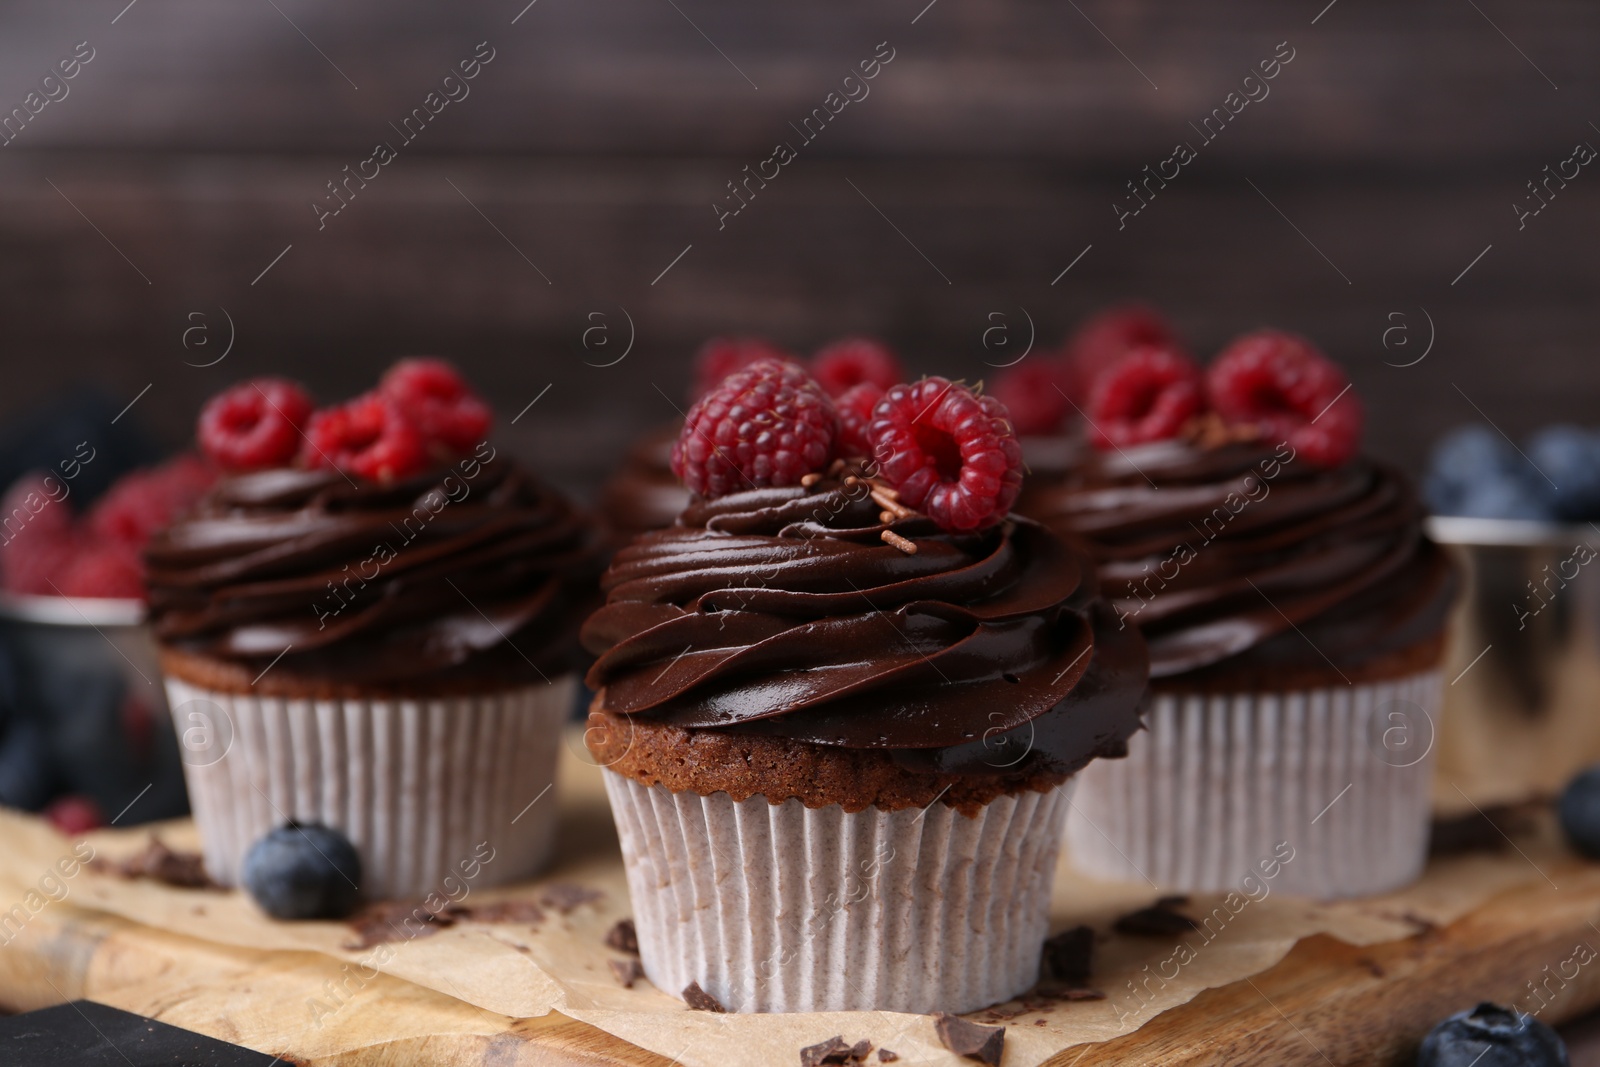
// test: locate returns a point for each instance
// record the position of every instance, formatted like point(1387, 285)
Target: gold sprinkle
point(808, 480)
point(887, 490)
point(852, 481)
point(893, 507)
point(885, 518)
point(899, 542)
point(835, 468)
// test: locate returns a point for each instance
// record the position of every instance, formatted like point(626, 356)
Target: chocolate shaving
point(1482, 831)
point(158, 863)
point(623, 937)
point(1069, 954)
point(835, 1051)
point(407, 920)
point(1158, 920)
point(564, 896)
point(885, 1056)
point(626, 972)
point(982, 1043)
point(700, 1000)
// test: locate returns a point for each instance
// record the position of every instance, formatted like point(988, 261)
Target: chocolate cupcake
point(839, 718)
point(644, 494)
point(378, 636)
point(1295, 614)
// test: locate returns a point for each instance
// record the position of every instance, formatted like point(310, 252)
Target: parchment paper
point(523, 969)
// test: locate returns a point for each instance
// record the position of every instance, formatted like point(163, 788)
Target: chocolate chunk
point(627, 972)
point(1481, 831)
point(564, 896)
point(1158, 920)
point(982, 1043)
point(885, 1056)
point(699, 999)
point(1067, 955)
point(623, 937)
point(835, 1051)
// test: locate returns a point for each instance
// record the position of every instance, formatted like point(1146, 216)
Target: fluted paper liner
point(784, 908)
point(1217, 782)
point(416, 785)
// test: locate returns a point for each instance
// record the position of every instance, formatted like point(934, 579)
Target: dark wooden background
point(597, 139)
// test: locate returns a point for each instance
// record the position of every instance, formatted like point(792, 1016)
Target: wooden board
point(1325, 1002)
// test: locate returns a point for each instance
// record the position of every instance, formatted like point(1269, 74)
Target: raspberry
point(37, 536)
point(1147, 395)
point(1034, 392)
point(254, 425)
point(850, 362)
point(1106, 337)
point(950, 453)
point(107, 570)
point(369, 437)
point(1290, 392)
point(433, 396)
point(142, 502)
point(722, 356)
point(855, 416)
point(74, 814)
point(766, 425)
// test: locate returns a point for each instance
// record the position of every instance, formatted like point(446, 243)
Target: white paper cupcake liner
point(1218, 782)
point(786, 908)
point(416, 785)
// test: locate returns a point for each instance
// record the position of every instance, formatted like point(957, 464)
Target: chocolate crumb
point(626, 972)
point(564, 896)
point(1079, 994)
point(1158, 920)
point(623, 937)
point(885, 1056)
point(185, 870)
point(1373, 967)
point(982, 1043)
point(700, 1000)
point(396, 920)
point(500, 911)
point(1068, 955)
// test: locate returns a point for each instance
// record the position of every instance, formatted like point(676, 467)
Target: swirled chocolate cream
point(881, 636)
point(471, 575)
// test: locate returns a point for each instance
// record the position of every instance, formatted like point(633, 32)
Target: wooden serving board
point(1325, 1002)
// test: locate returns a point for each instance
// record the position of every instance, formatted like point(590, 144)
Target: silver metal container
point(1521, 711)
point(88, 671)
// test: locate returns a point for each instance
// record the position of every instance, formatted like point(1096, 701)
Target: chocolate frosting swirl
point(644, 494)
point(1248, 555)
point(782, 612)
point(471, 570)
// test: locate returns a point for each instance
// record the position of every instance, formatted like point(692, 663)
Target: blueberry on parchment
point(304, 871)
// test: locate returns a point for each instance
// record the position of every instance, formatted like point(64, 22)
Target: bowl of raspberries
point(84, 730)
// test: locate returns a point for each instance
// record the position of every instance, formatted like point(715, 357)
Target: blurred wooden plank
point(411, 265)
point(1426, 85)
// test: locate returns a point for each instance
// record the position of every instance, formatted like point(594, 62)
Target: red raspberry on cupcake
point(722, 356)
point(845, 364)
point(1289, 391)
point(1107, 337)
point(1149, 394)
point(369, 437)
point(949, 453)
point(855, 407)
point(1035, 392)
point(254, 425)
point(432, 395)
point(769, 424)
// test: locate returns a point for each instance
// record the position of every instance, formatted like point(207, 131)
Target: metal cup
point(1521, 712)
point(87, 665)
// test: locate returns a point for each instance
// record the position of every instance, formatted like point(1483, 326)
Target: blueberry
point(1492, 1036)
point(1570, 457)
point(1505, 496)
point(1580, 812)
point(1471, 452)
point(304, 872)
